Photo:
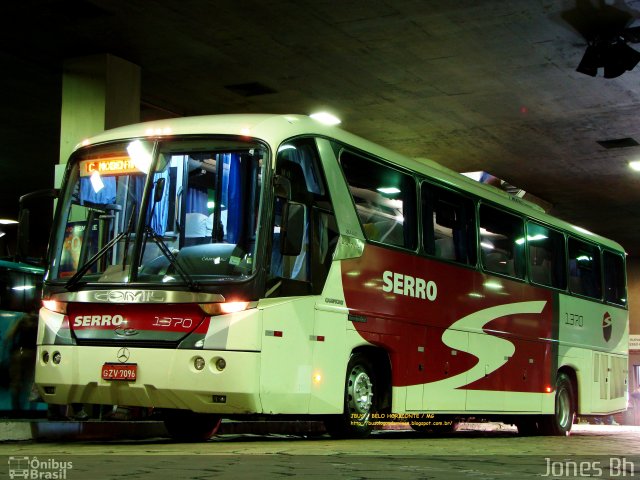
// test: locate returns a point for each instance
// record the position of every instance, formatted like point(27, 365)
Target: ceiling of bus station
point(473, 84)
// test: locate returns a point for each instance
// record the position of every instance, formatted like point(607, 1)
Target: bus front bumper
point(164, 378)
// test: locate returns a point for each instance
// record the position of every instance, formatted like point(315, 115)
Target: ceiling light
point(635, 165)
point(326, 118)
point(388, 190)
point(7, 221)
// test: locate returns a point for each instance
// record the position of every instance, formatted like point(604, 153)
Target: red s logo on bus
point(607, 326)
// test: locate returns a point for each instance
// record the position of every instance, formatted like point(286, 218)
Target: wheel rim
point(360, 391)
point(564, 408)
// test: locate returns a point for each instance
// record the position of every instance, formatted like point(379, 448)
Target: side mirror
point(292, 230)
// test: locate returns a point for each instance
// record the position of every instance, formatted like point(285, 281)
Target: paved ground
point(492, 451)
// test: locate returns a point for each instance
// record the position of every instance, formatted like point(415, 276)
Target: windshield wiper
point(73, 281)
point(150, 232)
point(191, 283)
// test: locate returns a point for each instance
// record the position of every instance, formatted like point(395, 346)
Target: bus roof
point(274, 129)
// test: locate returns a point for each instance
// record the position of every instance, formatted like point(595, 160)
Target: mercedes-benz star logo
point(123, 355)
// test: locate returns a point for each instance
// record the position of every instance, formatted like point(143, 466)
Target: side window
point(502, 242)
point(614, 278)
point(547, 259)
point(584, 269)
point(449, 225)
point(385, 200)
point(299, 164)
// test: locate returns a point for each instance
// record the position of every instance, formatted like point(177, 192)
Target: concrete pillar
point(99, 92)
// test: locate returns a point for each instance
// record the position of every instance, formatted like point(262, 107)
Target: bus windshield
point(179, 211)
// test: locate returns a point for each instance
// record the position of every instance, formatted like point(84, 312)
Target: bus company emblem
point(130, 296)
point(123, 355)
point(607, 326)
point(126, 332)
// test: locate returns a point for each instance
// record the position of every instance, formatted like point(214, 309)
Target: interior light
point(7, 221)
point(317, 378)
point(96, 182)
point(245, 131)
point(388, 190)
point(635, 165)
point(2, 234)
point(139, 156)
point(326, 118)
point(487, 245)
point(211, 204)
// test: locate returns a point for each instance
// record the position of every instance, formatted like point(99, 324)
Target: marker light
point(548, 389)
point(198, 363)
point(223, 308)
point(326, 118)
point(55, 306)
point(221, 364)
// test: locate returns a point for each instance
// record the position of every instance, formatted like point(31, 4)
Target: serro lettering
point(409, 286)
point(98, 321)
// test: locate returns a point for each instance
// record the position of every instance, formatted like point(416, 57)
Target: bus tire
point(359, 401)
point(188, 426)
point(561, 421)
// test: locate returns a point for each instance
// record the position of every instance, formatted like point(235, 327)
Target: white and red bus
point(247, 266)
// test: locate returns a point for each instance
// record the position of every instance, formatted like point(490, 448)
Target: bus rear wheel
point(359, 401)
point(187, 426)
point(561, 421)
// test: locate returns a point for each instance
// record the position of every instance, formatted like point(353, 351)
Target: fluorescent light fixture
point(139, 156)
point(7, 221)
point(96, 182)
point(326, 118)
point(388, 190)
point(487, 245)
point(211, 204)
point(635, 165)
point(23, 287)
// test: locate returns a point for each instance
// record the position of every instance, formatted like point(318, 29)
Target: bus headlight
point(57, 358)
point(45, 357)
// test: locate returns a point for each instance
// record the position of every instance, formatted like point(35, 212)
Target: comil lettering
point(409, 286)
point(98, 321)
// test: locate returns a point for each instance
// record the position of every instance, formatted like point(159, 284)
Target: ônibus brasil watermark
point(34, 468)
point(613, 467)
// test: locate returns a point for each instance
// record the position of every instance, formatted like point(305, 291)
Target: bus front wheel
point(359, 401)
point(187, 426)
point(561, 421)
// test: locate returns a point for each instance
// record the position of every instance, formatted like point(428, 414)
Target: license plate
point(120, 371)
